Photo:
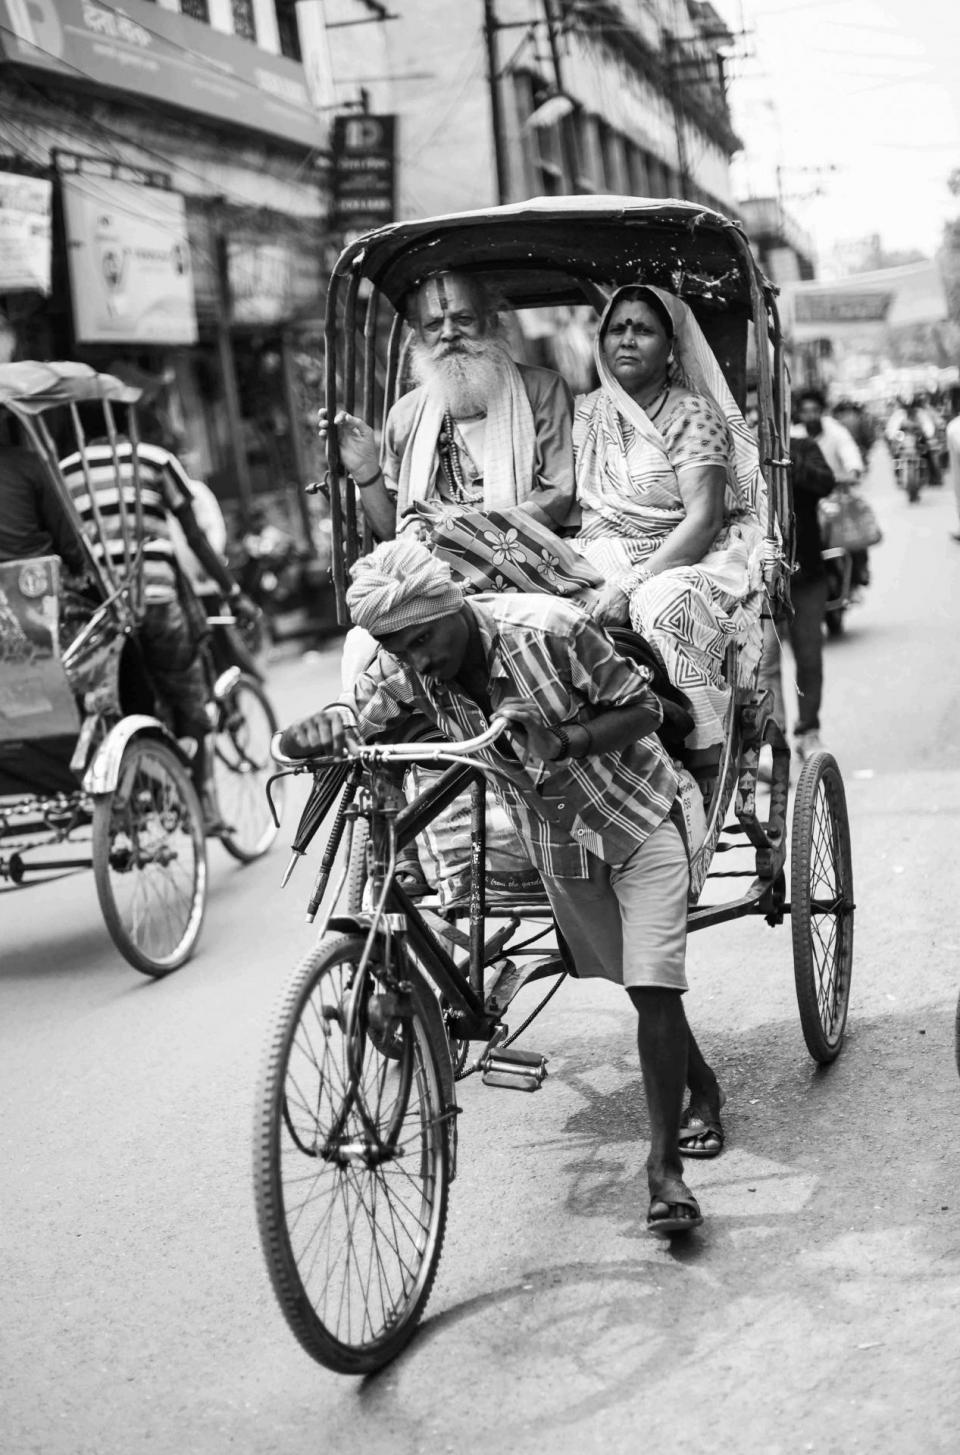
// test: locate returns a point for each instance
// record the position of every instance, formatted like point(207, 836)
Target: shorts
point(628, 922)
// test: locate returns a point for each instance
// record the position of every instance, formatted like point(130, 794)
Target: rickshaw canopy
point(31, 387)
point(538, 252)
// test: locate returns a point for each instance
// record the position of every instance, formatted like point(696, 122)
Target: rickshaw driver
point(479, 431)
point(174, 621)
point(591, 794)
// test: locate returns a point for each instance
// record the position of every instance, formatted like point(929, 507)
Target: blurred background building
point(176, 177)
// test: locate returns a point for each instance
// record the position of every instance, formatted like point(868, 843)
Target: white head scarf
point(697, 367)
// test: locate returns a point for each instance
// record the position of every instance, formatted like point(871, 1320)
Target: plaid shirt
point(548, 651)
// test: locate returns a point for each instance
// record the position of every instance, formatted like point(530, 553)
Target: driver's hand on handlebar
point(534, 738)
point(357, 442)
point(325, 735)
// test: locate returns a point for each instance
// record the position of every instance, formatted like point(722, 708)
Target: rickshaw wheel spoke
point(822, 906)
point(352, 1162)
point(149, 859)
point(241, 766)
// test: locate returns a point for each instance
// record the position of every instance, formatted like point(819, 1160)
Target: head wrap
point(401, 584)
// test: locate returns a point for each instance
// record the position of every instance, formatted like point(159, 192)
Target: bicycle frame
point(460, 985)
point(395, 913)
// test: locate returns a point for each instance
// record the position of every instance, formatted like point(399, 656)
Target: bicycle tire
point(356, 899)
point(149, 859)
point(242, 763)
point(822, 907)
point(332, 1239)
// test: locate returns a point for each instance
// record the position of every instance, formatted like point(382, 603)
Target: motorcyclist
point(842, 454)
point(912, 417)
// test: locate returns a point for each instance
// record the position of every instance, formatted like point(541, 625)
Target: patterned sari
point(629, 493)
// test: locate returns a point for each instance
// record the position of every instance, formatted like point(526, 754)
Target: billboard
point(129, 262)
point(159, 55)
point(24, 233)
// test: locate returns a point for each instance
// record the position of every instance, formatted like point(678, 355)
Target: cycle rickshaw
point(91, 776)
point(356, 1136)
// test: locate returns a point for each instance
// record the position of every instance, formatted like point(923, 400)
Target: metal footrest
point(516, 1070)
point(504, 980)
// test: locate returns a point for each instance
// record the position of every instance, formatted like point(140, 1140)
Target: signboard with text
point(129, 261)
point(364, 172)
point(271, 282)
point(160, 55)
point(24, 233)
point(846, 306)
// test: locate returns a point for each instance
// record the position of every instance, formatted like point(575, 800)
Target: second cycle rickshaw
point(356, 1117)
point(91, 774)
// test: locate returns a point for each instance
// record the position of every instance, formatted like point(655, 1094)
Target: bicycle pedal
point(516, 1070)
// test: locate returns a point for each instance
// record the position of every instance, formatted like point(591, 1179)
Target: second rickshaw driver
point(588, 786)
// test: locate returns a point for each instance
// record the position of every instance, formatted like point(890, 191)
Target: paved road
point(816, 1309)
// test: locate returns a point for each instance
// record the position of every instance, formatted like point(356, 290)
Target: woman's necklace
point(659, 400)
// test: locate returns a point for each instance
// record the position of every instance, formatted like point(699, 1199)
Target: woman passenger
point(671, 495)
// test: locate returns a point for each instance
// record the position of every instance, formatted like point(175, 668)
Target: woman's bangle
point(363, 484)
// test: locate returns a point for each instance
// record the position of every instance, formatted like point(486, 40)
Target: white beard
point(462, 378)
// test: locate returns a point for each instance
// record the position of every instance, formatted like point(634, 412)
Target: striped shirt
point(548, 651)
point(164, 485)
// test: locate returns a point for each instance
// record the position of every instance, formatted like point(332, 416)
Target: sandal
point(695, 1128)
point(673, 1219)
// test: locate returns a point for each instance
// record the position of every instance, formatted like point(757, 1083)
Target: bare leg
point(663, 1041)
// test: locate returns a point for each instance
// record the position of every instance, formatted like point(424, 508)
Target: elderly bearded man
point(479, 432)
point(589, 789)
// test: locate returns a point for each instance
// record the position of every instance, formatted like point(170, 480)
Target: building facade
point(162, 215)
point(169, 175)
point(499, 100)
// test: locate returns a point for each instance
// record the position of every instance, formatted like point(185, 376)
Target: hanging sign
point(364, 172)
point(129, 260)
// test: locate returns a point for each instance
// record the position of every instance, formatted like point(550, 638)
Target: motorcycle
point(910, 464)
point(289, 583)
point(838, 562)
point(848, 527)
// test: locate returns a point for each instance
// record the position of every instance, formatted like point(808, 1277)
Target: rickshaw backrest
point(39, 720)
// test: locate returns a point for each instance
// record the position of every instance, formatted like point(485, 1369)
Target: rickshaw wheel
point(353, 1158)
point(822, 907)
point(241, 766)
point(149, 859)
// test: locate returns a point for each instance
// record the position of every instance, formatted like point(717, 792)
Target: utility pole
point(490, 29)
point(673, 80)
point(568, 159)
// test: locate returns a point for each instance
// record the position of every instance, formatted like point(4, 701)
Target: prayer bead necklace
point(450, 457)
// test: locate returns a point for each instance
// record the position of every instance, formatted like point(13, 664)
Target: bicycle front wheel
point(241, 766)
point(353, 1157)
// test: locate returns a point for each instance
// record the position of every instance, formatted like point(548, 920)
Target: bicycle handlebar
point(393, 752)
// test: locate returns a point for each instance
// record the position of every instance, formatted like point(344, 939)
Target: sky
point(857, 101)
